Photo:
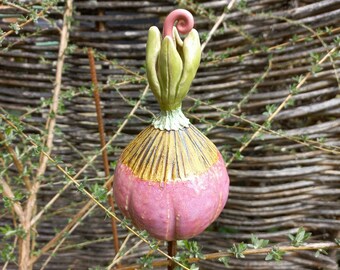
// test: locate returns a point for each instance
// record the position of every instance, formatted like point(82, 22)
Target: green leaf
point(225, 261)
point(275, 254)
point(146, 261)
point(153, 244)
point(194, 267)
point(238, 155)
point(15, 27)
point(238, 249)
point(193, 250)
point(7, 231)
point(300, 238)
point(258, 243)
point(269, 257)
point(6, 253)
point(320, 251)
point(99, 192)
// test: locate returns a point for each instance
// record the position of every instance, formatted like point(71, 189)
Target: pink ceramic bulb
point(177, 208)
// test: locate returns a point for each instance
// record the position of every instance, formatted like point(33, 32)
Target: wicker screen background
point(278, 184)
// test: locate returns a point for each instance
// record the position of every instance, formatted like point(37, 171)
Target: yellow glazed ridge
point(161, 155)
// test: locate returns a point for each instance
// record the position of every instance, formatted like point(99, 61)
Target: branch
point(16, 162)
point(68, 227)
point(217, 24)
point(279, 108)
point(212, 256)
point(7, 191)
point(51, 121)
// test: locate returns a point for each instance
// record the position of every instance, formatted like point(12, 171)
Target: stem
point(185, 22)
point(50, 126)
point(172, 250)
point(102, 144)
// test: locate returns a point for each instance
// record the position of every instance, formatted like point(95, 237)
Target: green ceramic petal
point(192, 58)
point(153, 47)
point(179, 43)
point(169, 71)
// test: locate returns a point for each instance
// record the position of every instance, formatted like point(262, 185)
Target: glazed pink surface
point(175, 210)
point(184, 25)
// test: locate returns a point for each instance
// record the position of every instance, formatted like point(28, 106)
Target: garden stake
point(102, 144)
point(172, 250)
point(171, 180)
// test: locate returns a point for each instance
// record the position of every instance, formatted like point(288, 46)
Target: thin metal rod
point(172, 250)
point(103, 143)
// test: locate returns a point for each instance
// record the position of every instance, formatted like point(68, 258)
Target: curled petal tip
point(185, 22)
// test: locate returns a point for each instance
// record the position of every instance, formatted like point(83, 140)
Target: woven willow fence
point(266, 93)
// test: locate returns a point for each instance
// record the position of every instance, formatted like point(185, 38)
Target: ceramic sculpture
point(171, 180)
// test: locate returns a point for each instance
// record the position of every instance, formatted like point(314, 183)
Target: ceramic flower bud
point(171, 180)
point(171, 66)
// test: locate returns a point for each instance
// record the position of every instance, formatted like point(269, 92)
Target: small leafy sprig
point(146, 261)
point(192, 249)
point(275, 254)
point(257, 243)
point(300, 238)
point(238, 249)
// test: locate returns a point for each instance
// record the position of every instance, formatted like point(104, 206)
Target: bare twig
point(120, 251)
point(272, 48)
point(102, 144)
point(217, 25)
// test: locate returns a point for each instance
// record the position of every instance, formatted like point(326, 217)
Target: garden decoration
point(171, 180)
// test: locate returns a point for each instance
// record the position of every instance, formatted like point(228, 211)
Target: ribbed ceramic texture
point(172, 210)
point(162, 156)
point(279, 185)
